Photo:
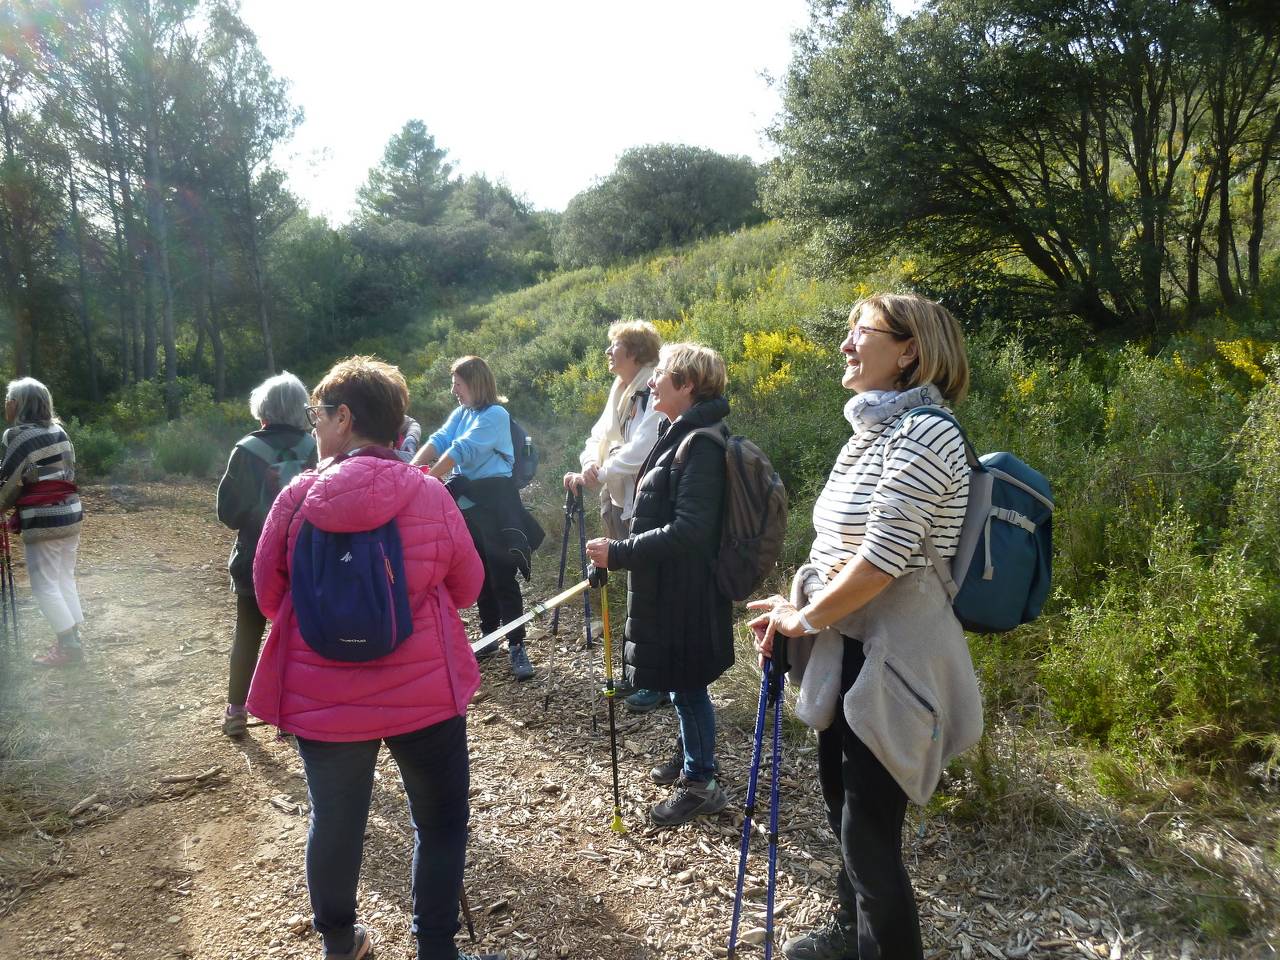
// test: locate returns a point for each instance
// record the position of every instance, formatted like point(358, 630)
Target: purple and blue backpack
point(349, 590)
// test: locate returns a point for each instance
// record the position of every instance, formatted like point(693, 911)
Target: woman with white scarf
point(620, 440)
point(880, 660)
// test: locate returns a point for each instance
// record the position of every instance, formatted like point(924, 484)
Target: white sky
point(544, 94)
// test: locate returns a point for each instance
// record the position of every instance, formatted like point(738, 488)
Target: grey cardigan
point(916, 703)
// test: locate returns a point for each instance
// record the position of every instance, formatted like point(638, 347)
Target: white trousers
point(51, 565)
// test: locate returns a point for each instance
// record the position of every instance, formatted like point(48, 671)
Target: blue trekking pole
point(772, 680)
point(775, 694)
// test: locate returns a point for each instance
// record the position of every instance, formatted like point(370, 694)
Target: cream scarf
point(618, 409)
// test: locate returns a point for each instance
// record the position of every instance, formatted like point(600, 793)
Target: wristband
point(809, 628)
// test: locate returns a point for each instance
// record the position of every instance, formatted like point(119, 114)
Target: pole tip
point(618, 826)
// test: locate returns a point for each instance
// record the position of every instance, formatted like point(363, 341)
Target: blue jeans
point(435, 770)
point(697, 731)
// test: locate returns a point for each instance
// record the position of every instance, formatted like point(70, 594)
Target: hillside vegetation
point(1161, 639)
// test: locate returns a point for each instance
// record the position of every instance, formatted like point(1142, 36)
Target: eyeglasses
point(859, 333)
point(313, 411)
point(659, 372)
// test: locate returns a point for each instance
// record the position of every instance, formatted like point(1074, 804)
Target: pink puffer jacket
point(432, 675)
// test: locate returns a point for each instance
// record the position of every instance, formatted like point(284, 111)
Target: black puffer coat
point(679, 633)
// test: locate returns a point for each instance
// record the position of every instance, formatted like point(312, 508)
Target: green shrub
point(1167, 659)
point(1255, 504)
point(98, 448)
point(136, 407)
point(181, 448)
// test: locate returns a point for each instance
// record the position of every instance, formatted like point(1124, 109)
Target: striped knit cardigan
point(34, 452)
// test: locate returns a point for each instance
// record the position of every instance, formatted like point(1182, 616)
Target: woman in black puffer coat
point(679, 633)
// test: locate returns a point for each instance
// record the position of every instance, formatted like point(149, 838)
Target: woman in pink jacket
point(413, 698)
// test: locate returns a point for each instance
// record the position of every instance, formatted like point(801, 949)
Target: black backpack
point(525, 462)
point(754, 520)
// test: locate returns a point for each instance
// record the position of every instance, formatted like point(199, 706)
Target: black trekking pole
point(466, 915)
point(772, 679)
point(555, 617)
point(599, 577)
point(564, 555)
point(586, 567)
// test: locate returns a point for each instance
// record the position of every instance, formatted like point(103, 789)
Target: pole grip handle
point(598, 577)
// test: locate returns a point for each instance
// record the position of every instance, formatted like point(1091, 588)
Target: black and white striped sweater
point(34, 452)
point(893, 483)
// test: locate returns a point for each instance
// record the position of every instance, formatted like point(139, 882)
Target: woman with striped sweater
point(38, 477)
point(880, 660)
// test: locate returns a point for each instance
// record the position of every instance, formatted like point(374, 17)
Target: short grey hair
point(281, 399)
point(32, 400)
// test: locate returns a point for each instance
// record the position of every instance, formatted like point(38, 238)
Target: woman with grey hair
point(261, 465)
point(38, 477)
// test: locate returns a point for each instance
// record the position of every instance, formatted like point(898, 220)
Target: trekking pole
point(779, 682)
point(586, 598)
point(466, 915)
point(490, 639)
point(600, 578)
point(6, 574)
point(586, 567)
point(750, 808)
point(772, 681)
point(555, 617)
point(564, 555)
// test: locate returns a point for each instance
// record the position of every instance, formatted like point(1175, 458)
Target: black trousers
point(435, 771)
point(866, 809)
point(500, 600)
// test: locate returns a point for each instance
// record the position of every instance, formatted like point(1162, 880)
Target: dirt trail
point(212, 867)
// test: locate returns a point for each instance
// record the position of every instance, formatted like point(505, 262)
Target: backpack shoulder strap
point(970, 454)
point(259, 448)
point(716, 433)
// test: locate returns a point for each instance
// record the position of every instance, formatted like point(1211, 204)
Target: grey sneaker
point(235, 721)
point(689, 799)
point(834, 940)
point(521, 668)
point(481, 956)
point(361, 947)
point(668, 771)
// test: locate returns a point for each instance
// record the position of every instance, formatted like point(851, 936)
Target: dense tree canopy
point(1115, 153)
point(658, 196)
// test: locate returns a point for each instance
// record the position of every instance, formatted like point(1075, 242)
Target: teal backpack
point(1003, 567)
point(282, 466)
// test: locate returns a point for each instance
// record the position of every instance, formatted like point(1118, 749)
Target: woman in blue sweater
point(472, 453)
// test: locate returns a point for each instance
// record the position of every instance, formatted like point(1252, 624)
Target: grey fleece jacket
point(916, 703)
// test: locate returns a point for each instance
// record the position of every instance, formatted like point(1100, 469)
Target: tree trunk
point(159, 222)
point(215, 333)
point(1258, 223)
point(255, 261)
point(86, 321)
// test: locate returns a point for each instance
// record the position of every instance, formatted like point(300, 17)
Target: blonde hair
point(475, 373)
point(374, 392)
point(639, 338)
point(940, 354)
point(692, 363)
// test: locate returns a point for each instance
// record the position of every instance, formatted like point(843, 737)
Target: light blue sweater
point(478, 441)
